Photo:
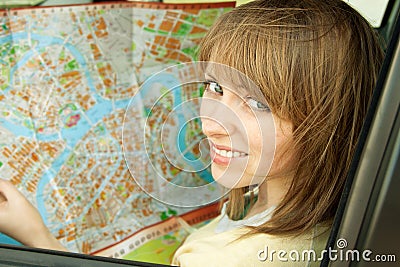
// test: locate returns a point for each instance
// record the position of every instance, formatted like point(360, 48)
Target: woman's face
point(241, 130)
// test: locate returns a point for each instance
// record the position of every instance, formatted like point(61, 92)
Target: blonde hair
point(316, 62)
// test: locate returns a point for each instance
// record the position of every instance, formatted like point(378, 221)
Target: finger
point(5, 187)
point(9, 193)
point(3, 199)
point(4, 184)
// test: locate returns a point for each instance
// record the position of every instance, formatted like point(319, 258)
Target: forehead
point(232, 79)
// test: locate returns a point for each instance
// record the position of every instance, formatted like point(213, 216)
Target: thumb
point(6, 189)
point(3, 199)
point(9, 195)
point(4, 184)
point(2, 196)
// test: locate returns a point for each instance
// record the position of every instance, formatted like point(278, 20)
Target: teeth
point(228, 153)
point(223, 153)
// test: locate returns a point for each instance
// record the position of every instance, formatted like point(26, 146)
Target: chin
point(226, 181)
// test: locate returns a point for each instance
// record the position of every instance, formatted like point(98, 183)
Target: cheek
point(203, 106)
point(284, 135)
point(284, 154)
point(262, 144)
point(265, 137)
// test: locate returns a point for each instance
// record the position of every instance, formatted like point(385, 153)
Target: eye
point(257, 104)
point(214, 87)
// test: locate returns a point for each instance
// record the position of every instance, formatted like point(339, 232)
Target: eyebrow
point(244, 87)
point(208, 75)
point(240, 89)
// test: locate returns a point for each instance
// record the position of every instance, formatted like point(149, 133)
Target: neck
point(270, 193)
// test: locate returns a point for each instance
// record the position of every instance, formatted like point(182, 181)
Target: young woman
point(310, 67)
point(316, 63)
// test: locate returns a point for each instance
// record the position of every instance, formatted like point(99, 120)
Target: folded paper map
point(67, 75)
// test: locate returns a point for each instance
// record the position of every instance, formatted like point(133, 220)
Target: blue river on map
point(103, 107)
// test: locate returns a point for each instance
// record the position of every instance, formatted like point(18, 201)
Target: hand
point(21, 221)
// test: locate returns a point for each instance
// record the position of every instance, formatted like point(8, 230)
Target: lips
point(223, 155)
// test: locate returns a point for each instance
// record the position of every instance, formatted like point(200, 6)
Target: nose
point(218, 115)
point(213, 127)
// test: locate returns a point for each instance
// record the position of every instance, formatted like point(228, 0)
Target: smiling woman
point(288, 84)
point(310, 69)
point(316, 83)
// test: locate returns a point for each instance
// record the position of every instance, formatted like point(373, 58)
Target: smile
point(228, 153)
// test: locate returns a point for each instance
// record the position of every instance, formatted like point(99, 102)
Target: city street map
point(67, 77)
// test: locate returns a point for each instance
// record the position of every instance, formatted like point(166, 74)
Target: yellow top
point(209, 247)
